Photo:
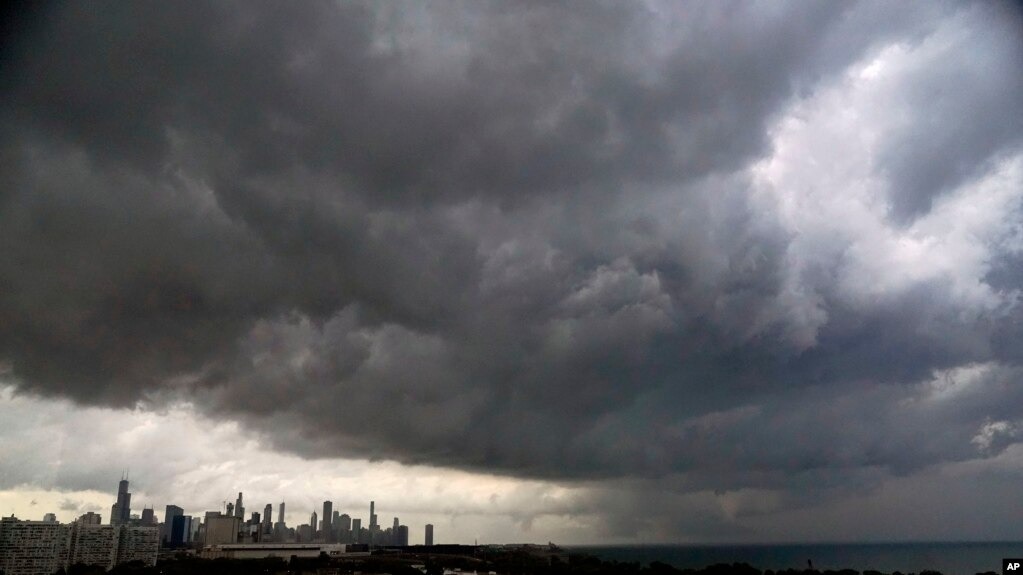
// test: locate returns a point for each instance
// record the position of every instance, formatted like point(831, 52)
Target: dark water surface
point(948, 558)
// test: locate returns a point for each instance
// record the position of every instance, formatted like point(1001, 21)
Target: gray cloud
point(554, 241)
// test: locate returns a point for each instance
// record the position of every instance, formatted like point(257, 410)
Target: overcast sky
point(584, 272)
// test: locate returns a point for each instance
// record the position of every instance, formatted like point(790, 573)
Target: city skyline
point(583, 272)
point(171, 526)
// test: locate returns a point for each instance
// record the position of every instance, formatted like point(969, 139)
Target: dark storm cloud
point(967, 119)
point(523, 239)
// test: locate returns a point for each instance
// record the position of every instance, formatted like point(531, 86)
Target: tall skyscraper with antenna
point(120, 512)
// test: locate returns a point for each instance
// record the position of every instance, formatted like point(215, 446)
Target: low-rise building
point(282, 550)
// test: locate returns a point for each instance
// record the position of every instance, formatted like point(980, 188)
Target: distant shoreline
point(949, 558)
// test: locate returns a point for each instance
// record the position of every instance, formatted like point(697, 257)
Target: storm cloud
point(758, 248)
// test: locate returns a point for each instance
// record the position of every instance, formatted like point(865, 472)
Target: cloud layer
point(764, 249)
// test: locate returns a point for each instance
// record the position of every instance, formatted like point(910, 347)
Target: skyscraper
point(356, 530)
point(239, 510)
point(180, 530)
point(120, 512)
point(344, 529)
point(313, 522)
point(147, 517)
point(373, 527)
point(280, 514)
point(328, 507)
point(429, 534)
point(169, 514)
point(268, 524)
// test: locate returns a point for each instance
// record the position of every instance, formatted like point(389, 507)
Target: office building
point(328, 530)
point(90, 518)
point(120, 512)
point(239, 509)
point(180, 531)
point(268, 526)
point(429, 534)
point(344, 528)
point(148, 519)
point(402, 536)
point(221, 529)
point(356, 531)
point(169, 513)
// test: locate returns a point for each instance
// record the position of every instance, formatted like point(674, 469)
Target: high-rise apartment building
point(138, 544)
point(32, 547)
point(43, 547)
point(94, 545)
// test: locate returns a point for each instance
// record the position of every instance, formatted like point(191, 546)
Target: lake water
point(948, 558)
